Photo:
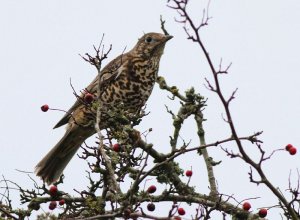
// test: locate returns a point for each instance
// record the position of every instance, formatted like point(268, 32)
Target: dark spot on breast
point(150, 83)
point(134, 76)
point(128, 85)
point(132, 94)
point(135, 88)
point(121, 84)
point(113, 90)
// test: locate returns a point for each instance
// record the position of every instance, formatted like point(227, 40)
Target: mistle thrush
point(129, 79)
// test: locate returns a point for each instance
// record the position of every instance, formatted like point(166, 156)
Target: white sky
point(39, 47)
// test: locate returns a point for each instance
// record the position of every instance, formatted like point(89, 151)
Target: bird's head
point(151, 45)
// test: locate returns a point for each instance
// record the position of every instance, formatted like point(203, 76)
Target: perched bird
point(128, 79)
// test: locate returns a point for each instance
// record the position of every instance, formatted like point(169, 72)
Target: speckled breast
point(134, 84)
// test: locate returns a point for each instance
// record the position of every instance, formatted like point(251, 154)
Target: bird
point(128, 79)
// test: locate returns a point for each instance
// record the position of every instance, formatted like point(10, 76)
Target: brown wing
point(110, 72)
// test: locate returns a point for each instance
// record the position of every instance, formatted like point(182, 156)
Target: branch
point(180, 6)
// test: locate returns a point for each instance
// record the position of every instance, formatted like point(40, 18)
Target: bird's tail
point(52, 165)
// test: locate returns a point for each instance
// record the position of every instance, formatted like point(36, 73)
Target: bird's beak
point(168, 37)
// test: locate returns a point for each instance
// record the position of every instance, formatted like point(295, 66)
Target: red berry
point(288, 147)
point(52, 205)
point(117, 147)
point(263, 213)
point(61, 202)
point(88, 98)
point(53, 190)
point(189, 173)
point(177, 218)
point(293, 150)
point(151, 207)
point(246, 206)
point(181, 211)
point(151, 189)
point(45, 108)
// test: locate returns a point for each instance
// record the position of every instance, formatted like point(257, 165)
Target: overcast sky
point(39, 46)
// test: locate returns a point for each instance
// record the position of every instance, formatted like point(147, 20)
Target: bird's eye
point(148, 39)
